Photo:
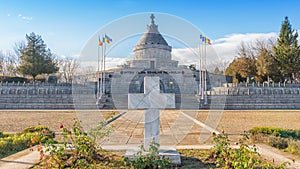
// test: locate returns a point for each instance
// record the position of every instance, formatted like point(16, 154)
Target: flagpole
point(101, 65)
point(205, 75)
point(104, 56)
point(200, 67)
point(98, 83)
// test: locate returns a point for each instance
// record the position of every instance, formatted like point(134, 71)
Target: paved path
point(175, 128)
point(21, 160)
point(277, 156)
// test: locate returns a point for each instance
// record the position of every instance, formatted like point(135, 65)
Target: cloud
point(109, 64)
point(26, 18)
point(219, 54)
point(114, 62)
point(223, 50)
point(8, 15)
point(226, 47)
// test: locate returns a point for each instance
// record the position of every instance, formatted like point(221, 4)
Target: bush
point(277, 142)
point(293, 147)
point(278, 132)
point(76, 150)
point(242, 157)
point(33, 129)
point(151, 159)
point(14, 143)
point(225, 156)
point(13, 79)
point(287, 140)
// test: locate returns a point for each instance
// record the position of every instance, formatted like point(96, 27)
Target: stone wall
point(257, 97)
point(243, 96)
point(35, 96)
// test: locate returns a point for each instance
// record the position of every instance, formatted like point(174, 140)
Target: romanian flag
point(107, 39)
point(100, 43)
point(208, 41)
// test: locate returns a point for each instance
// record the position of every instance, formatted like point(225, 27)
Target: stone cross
point(151, 101)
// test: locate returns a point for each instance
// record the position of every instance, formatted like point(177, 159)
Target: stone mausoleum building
point(152, 57)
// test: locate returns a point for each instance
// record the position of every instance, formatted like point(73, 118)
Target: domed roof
point(152, 37)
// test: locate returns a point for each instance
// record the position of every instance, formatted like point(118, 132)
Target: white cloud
point(114, 62)
point(226, 47)
point(222, 50)
point(8, 15)
point(109, 64)
point(26, 18)
point(220, 53)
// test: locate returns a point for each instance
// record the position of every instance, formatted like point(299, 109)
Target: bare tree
point(2, 63)
point(11, 63)
point(68, 67)
point(8, 63)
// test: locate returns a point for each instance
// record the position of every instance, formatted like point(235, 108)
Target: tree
point(192, 67)
point(8, 63)
point(36, 58)
point(266, 65)
point(68, 67)
point(218, 71)
point(240, 68)
point(286, 51)
point(243, 66)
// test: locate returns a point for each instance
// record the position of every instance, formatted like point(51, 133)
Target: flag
point(107, 39)
point(100, 43)
point(202, 38)
point(207, 41)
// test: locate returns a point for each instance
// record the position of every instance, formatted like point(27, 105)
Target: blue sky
point(66, 25)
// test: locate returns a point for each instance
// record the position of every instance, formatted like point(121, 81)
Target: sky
point(67, 25)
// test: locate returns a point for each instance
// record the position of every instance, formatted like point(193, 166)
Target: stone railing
point(34, 84)
point(265, 84)
point(254, 91)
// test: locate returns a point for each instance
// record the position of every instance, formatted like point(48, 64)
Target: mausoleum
point(152, 57)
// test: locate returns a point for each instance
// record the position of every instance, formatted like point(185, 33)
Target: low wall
point(46, 96)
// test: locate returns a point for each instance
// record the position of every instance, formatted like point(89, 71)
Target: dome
point(152, 38)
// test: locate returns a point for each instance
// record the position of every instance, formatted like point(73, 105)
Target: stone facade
point(152, 57)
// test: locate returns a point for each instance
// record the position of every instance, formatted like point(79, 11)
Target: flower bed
point(12, 143)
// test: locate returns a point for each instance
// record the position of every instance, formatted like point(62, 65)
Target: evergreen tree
point(286, 51)
point(36, 58)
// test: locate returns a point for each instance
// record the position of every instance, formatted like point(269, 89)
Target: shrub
point(278, 142)
point(14, 143)
point(13, 79)
point(242, 157)
point(33, 129)
point(150, 159)
point(293, 147)
point(76, 150)
point(278, 132)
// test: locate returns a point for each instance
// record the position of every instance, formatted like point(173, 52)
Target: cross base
point(152, 127)
point(164, 152)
